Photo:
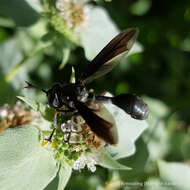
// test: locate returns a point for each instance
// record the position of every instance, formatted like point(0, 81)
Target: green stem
point(13, 72)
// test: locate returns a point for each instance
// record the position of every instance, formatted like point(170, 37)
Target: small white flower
point(79, 148)
point(74, 13)
point(79, 164)
point(66, 127)
point(66, 137)
point(89, 159)
point(91, 167)
point(73, 125)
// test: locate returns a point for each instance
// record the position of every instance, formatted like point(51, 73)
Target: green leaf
point(66, 54)
point(107, 161)
point(96, 35)
point(129, 130)
point(178, 174)
point(185, 146)
point(29, 101)
point(157, 108)
point(35, 4)
point(24, 163)
point(20, 11)
point(46, 112)
point(6, 22)
point(154, 183)
point(10, 56)
point(100, 31)
point(157, 139)
point(11, 65)
point(137, 161)
point(140, 7)
point(72, 79)
point(156, 136)
point(64, 175)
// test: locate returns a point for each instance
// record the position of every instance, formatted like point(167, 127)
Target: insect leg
point(55, 127)
point(64, 112)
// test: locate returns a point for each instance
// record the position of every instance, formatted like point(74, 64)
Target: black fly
point(76, 98)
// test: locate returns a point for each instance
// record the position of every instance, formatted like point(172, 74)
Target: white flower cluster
point(74, 13)
point(74, 131)
point(88, 159)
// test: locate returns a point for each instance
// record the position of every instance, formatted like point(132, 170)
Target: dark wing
point(110, 55)
point(99, 126)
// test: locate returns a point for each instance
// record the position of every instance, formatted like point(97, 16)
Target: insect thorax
point(73, 92)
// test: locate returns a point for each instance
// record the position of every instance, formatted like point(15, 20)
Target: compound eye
point(56, 102)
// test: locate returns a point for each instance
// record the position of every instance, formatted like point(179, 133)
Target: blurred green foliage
point(161, 73)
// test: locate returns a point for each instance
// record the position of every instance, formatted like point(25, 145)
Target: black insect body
point(60, 95)
point(76, 98)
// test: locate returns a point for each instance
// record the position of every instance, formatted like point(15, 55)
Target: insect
point(75, 96)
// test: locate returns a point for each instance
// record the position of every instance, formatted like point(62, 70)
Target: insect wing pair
point(99, 66)
point(103, 63)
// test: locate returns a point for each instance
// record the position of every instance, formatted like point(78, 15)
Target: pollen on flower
point(44, 142)
point(52, 144)
point(74, 13)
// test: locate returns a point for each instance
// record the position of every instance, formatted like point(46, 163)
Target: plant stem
point(13, 72)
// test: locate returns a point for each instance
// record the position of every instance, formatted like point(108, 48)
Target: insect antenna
point(29, 85)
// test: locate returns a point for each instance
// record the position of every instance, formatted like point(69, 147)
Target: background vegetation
point(160, 72)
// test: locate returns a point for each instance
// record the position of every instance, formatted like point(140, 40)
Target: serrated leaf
point(178, 174)
point(46, 112)
point(129, 130)
point(64, 175)
point(107, 161)
point(24, 163)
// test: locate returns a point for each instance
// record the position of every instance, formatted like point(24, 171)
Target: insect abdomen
point(131, 104)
